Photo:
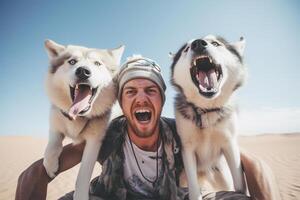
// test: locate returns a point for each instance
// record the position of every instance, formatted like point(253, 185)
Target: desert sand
point(280, 152)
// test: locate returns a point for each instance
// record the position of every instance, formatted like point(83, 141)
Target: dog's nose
point(83, 73)
point(198, 45)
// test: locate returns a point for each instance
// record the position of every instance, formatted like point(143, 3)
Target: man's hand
point(260, 180)
point(33, 182)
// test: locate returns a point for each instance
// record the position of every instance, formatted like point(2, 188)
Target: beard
point(143, 133)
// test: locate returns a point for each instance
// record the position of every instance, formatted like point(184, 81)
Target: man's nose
point(141, 97)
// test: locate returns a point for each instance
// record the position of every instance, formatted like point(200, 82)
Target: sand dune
point(281, 152)
point(17, 153)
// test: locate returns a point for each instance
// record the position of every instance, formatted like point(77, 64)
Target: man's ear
point(240, 46)
point(53, 49)
point(117, 53)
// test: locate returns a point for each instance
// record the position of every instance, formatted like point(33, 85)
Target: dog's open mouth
point(82, 96)
point(206, 75)
point(143, 115)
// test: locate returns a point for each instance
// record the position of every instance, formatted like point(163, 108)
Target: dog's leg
point(190, 166)
point(185, 128)
point(222, 177)
point(52, 153)
point(88, 161)
point(232, 155)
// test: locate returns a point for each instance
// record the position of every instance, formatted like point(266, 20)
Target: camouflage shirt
point(111, 185)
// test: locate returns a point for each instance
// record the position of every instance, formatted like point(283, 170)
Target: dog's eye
point(72, 62)
point(216, 44)
point(97, 63)
point(186, 49)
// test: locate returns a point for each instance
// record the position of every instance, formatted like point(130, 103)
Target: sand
point(281, 152)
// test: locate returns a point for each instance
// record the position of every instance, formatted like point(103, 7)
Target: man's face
point(142, 105)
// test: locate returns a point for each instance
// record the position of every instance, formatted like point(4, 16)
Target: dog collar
point(66, 115)
point(196, 114)
point(70, 118)
point(87, 121)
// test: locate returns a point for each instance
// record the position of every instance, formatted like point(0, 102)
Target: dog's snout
point(198, 45)
point(83, 73)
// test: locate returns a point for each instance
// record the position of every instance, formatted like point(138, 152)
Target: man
point(140, 155)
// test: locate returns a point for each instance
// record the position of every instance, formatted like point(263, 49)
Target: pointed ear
point(117, 53)
point(171, 55)
point(53, 49)
point(240, 46)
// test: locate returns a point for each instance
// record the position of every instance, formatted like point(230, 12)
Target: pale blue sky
point(269, 102)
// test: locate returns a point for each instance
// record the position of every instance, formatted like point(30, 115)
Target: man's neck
point(145, 143)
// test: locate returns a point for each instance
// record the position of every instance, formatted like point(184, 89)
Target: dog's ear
point(240, 46)
point(117, 53)
point(172, 55)
point(53, 48)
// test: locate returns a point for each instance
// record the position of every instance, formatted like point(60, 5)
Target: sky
point(269, 101)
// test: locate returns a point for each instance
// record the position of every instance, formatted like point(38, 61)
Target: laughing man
point(140, 156)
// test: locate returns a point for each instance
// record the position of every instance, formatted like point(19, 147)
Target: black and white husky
point(206, 72)
point(81, 90)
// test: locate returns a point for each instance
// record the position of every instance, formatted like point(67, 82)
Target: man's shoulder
point(113, 138)
point(170, 131)
point(117, 124)
point(169, 119)
point(170, 122)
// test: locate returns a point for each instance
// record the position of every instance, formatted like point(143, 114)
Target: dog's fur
point(206, 114)
point(82, 91)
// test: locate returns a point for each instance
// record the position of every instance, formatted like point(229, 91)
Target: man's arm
point(260, 180)
point(33, 182)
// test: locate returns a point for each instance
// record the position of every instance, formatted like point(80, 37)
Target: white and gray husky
point(206, 72)
point(81, 90)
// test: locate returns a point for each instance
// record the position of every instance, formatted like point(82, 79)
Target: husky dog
point(81, 90)
point(206, 72)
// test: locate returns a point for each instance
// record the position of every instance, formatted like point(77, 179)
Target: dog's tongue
point(208, 79)
point(81, 100)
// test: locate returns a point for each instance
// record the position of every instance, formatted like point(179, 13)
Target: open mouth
point(143, 115)
point(206, 75)
point(82, 95)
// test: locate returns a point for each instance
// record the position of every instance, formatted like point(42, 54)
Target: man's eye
point(97, 63)
point(129, 92)
point(72, 62)
point(216, 44)
point(152, 91)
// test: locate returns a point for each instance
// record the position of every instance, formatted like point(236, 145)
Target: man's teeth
point(142, 111)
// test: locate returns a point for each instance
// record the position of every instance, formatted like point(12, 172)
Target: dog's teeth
point(76, 86)
point(195, 62)
point(210, 60)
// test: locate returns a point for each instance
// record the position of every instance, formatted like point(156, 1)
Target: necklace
point(137, 163)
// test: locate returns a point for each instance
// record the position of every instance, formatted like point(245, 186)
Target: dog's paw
point(199, 197)
point(51, 167)
point(80, 196)
point(195, 197)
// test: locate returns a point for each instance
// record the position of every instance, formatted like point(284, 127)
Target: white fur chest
point(206, 143)
point(61, 124)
